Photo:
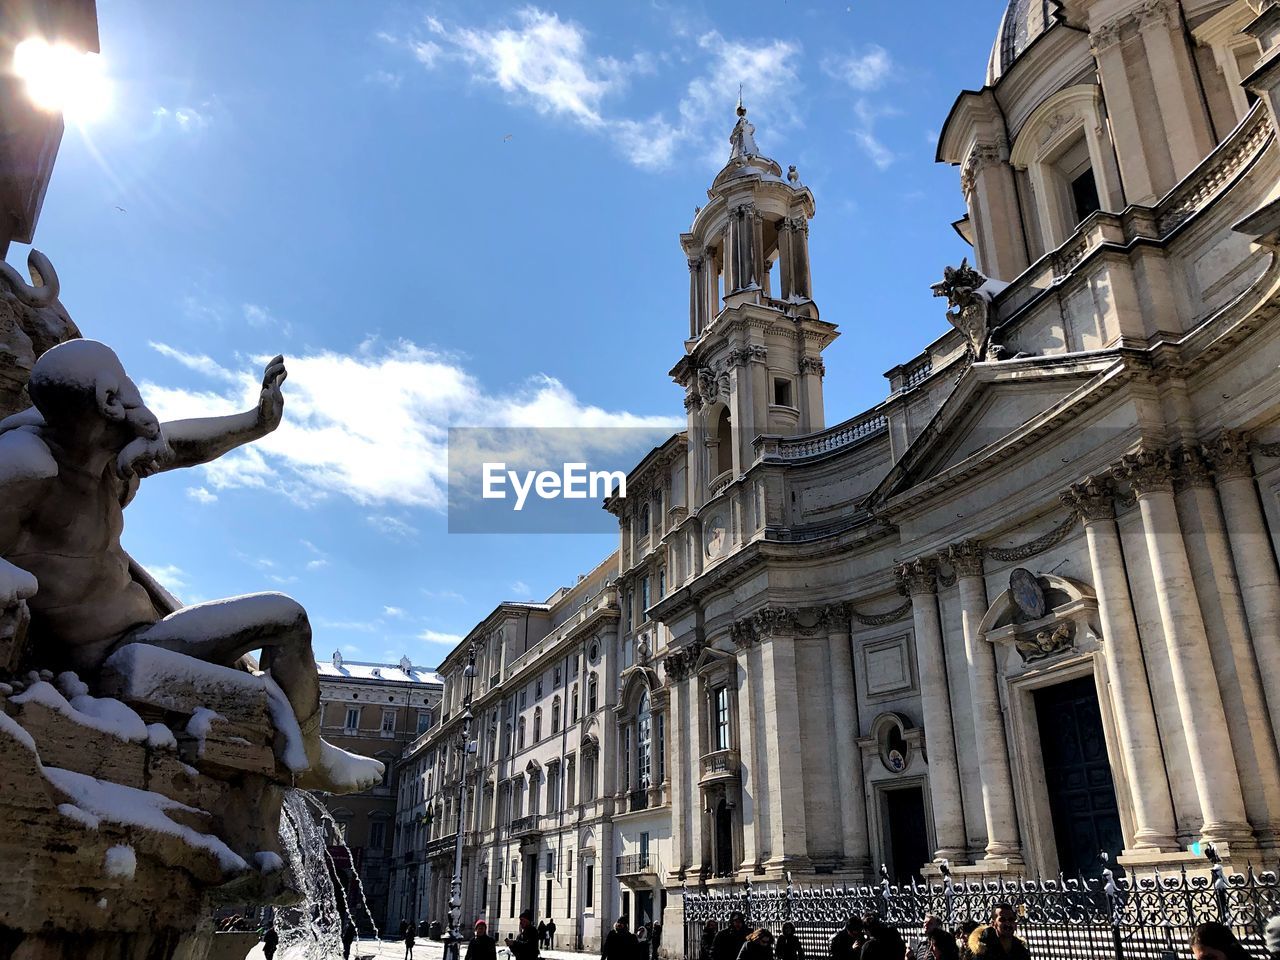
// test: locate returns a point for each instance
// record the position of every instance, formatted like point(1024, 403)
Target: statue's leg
point(222, 631)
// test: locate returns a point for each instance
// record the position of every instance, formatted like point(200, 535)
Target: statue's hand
point(271, 400)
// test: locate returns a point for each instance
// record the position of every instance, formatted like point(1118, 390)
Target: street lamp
point(453, 939)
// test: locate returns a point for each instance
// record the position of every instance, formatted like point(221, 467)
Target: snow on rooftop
point(340, 669)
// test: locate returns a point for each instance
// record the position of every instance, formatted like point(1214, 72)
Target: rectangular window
point(644, 849)
point(662, 583)
point(556, 678)
point(424, 721)
point(573, 667)
point(537, 690)
point(353, 718)
point(524, 698)
point(781, 392)
point(1084, 195)
point(722, 718)
point(377, 834)
point(662, 747)
point(575, 704)
point(589, 891)
point(570, 780)
point(644, 595)
point(388, 721)
point(551, 866)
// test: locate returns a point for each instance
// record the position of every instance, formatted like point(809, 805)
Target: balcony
point(439, 845)
point(634, 866)
point(718, 767)
point(525, 828)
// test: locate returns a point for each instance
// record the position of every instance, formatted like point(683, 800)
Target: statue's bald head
point(85, 378)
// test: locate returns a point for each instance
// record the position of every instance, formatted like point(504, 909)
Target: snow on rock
point(991, 289)
point(120, 862)
point(294, 755)
point(14, 729)
point(72, 812)
point(71, 685)
point(160, 737)
point(116, 803)
point(102, 714)
point(15, 583)
point(24, 456)
point(267, 861)
point(200, 724)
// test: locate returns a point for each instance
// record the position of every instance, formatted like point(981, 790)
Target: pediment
point(992, 406)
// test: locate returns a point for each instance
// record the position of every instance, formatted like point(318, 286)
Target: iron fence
point(1150, 917)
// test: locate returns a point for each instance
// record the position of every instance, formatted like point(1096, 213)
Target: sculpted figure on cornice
point(744, 355)
point(969, 309)
point(813, 365)
point(1229, 454)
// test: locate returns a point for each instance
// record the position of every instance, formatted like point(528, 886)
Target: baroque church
point(1022, 614)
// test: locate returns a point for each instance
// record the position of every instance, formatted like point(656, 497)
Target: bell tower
point(753, 361)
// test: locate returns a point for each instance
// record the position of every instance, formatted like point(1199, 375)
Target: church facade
point(1025, 611)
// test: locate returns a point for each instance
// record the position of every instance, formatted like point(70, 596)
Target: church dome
point(1022, 24)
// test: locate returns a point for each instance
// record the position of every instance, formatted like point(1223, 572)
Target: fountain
point(150, 768)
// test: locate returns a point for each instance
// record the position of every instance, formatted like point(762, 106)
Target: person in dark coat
point(620, 943)
point(1215, 941)
point(551, 933)
point(997, 941)
point(270, 942)
point(709, 931)
point(788, 946)
point(728, 942)
point(348, 935)
point(482, 946)
point(524, 945)
point(880, 940)
point(846, 944)
point(408, 941)
point(758, 945)
point(655, 941)
point(942, 945)
point(923, 949)
point(542, 933)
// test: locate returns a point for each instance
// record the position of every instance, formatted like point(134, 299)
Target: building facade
point(374, 710)
point(1024, 611)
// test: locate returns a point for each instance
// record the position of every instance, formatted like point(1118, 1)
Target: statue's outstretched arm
point(201, 440)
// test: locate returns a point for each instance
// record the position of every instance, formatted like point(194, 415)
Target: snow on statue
point(68, 468)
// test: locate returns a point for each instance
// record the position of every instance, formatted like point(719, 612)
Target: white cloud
point(317, 564)
point(521, 589)
point(436, 636)
point(359, 626)
point(865, 136)
point(396, 612)
point(445, 595)
point(392, 526)
point(385, 78)
point(372, 426)
point(185, 119)
point(201, 495)
point(260, 318)
point(864, 71)
point(172, 578)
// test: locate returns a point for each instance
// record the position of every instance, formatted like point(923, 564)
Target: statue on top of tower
point(743, 137)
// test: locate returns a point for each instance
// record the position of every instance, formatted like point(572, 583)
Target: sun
point(61, 79)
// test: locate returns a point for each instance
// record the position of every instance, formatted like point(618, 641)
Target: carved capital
point(813, 365)
point(1155, 13)
point(691, 401)
point(1149, 469)
point(765, 624)
point(834, 616)
point(965, 558)
point(677, 666)
point(920, 576)
point(1193, 469)
point(695, 264)
point(748, 354)
point(1093, 498)
point(1228, 452)
point(1105, 37)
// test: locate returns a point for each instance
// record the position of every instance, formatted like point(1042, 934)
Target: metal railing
point(633, 864)
point(1150, 917)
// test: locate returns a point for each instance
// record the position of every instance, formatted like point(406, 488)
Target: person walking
point(348, 935)
point(655, 941)
point(846, 944)
point(542, 933)
point(1215, 941)
point(942, 945)
point(997, 941)
point(758, 945)
point(709, 931)
point(270, 942)
point(524, 945)
point(880, 940)
point(551, 933)
point(728, 942)
point(482, 946)
point(620, 943)
point(408, 941)
point(788, 946)
point(923, 948)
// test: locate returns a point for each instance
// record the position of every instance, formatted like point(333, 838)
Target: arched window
point(555, 715)
point(644, 520)
point(724, 443)
point(591, 694)
point(644, 742)
point(537, 725)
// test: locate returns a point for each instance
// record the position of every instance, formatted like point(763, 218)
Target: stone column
point(1204, 722)
point(697, 298)
point(749, 768)
point(785, 265)
point(788, 832)
point(844, 718)
point(680, 766)
point(988, 718)
point(1255, 564)
point(801, 282)
point(991, 192)
point(1226, 625)
point(920, 577)
point(1126, 124)
point(1173, 74)
point(694, 720)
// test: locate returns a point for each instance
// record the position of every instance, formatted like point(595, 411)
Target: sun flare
point(60, 78)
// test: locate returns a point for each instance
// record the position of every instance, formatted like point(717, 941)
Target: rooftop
point(402, 672)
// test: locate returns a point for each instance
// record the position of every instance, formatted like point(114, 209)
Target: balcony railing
point(638, 800)
point(524, 826)
point(719, 483)
point(718, 766)
point(633, 864)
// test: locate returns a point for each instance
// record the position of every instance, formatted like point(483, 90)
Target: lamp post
point(453, 939)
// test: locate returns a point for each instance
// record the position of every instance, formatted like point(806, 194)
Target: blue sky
point(456, 213)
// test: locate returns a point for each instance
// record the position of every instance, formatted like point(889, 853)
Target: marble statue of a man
point(68, 468)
